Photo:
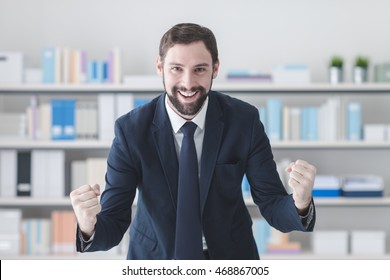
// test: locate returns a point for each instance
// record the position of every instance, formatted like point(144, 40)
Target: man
point(147, 154)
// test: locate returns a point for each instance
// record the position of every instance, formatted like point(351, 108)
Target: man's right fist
point(86, 205)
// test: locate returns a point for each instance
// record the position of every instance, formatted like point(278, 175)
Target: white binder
point(11, 68)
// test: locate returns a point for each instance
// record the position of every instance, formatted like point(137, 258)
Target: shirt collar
point(177, 121)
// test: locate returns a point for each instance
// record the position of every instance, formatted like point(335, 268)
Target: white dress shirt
point(177, 122)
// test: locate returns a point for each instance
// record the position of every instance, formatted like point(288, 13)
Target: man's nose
point(188, 80)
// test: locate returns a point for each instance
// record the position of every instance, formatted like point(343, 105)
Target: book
point(274, 119)
point(86, 120)
point(63, 231)
point(354, 121)
point(124, 103)
point(309, 123)
point(49, 65)
point(63, 119)
point(36, 236)
point(326, 186)
point(11, 67)
point(23, 177)
point(295, 115)
point(78, 173)
point(44, 121)
point(56, 118)
point(10, 232)
point(329, 119)
point(68, 119)
point(48, 173)
point(8, 173)
point(375, 132)
point(363, 186)
point(75, 67)
point(96, 171)
point(106, 116)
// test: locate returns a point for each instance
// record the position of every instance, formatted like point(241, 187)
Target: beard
point(187, 109)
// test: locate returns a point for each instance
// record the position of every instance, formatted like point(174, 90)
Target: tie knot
point(188, 129)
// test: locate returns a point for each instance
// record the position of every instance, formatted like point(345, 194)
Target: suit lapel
point(211, 143)
point(163, 138)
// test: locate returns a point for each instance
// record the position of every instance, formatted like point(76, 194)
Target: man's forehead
point(188, 57)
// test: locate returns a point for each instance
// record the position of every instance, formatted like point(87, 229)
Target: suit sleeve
point(267, 190)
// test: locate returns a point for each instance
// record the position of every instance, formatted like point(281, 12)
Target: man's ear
point(159, 66)
point(215, 69)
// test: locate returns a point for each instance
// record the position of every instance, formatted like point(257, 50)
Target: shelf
point(38, 202)
point(38, 144)
point(352, 201)
point(84, 88)
point(342, 201)
point(256, 87)
point(219, 85)
point(96, 144)
point(331, 145)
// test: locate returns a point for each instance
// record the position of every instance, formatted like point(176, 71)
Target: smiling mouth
point(188, 93)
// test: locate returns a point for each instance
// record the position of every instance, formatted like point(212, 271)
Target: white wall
point(255, 34)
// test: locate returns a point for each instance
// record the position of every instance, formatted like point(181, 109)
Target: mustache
point(184, 89)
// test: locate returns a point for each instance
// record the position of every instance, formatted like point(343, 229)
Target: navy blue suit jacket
point(143, 156)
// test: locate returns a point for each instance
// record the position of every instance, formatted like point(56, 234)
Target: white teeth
point(188, 94)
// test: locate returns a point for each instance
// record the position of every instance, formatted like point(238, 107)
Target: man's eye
point(176, 69)
point(200, 70)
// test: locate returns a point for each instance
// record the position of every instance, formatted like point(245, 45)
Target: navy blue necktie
point(188, 240)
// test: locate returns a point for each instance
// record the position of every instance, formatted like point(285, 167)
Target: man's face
point(187, 73)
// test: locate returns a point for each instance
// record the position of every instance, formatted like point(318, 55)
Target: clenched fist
point(86, 205)
point(302, 175)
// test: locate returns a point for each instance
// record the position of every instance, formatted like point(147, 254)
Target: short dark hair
point(187, 33)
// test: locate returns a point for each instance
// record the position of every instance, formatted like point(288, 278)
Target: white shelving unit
point(338, 157)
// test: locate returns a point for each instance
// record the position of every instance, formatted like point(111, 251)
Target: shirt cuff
point(85, 244)
point(306, 219)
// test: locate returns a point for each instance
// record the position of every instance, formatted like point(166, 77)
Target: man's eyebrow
point(202, 65)
point(175, 64)
point(197, 65)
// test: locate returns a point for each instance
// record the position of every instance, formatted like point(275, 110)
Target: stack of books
point(248, 75)
point(327, 186)
point(363, 186)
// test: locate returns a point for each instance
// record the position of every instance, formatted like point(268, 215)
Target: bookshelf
point(333, 157)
